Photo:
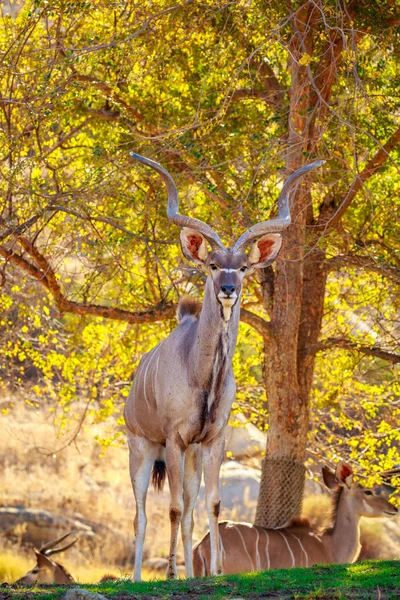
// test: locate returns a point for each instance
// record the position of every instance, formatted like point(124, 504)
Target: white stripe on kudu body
point(268, 566)
point(338, 544)
point(302, 549)
point(258, 567)
point(244, 546)
point(289, 548)
point(151, 356)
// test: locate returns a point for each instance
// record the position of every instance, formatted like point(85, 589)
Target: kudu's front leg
point(175, 460)
point(213, 454)
point(191, 485)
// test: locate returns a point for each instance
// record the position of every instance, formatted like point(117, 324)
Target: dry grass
point(318, 510)
point(13, 566)
point(78, 481)
point(74, 482)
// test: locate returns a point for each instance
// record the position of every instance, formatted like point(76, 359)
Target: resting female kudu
point(246, 547)
point(47, 570)
point(184, 388)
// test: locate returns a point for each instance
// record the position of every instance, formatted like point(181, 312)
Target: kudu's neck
point(214, 332)
point(344, 538)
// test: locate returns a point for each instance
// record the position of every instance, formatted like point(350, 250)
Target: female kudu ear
point(344, 474)
point(329, 478)
point(265, 250)
point(194, 245)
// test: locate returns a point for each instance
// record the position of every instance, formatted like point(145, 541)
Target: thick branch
point(364, 262)
point(266, 279)
point(44, 274)
point(332, 209)
point(272, 92)
point(258, 323)
point(325, 73)
point(109, 92)
point(19, 229)
point(326, 70)
point(21, 262)
point(160, 312)
point(350, 345)
point(248, 93)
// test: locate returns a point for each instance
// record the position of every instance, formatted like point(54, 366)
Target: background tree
point(229, 97)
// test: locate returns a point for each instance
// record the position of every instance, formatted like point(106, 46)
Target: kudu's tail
point(158, 475)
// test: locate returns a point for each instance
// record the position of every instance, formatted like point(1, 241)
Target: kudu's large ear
point(329, 478)
point(194, 245)
point(264, 250)
point(344, 474)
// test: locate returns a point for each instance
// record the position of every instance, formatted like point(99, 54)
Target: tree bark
point(287, 406)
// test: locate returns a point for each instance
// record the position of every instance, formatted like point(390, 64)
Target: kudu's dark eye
point(213, 267)
point(368, 493)
point(243, 269)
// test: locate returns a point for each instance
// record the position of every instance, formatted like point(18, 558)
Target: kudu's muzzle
point(227, 288)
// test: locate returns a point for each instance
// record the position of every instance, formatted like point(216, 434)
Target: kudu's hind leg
point(175, 460)
point(191, 485)
point(142, 454)
point(212, 458)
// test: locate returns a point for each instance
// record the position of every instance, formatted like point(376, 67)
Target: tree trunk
point(283, 474)
point(288, 374)
point(282, 482)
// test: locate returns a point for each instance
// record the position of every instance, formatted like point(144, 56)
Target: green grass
point(371, 579)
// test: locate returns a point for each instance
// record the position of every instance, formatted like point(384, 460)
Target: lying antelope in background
point(246, 547)
point(184, 388)
point(46, 570)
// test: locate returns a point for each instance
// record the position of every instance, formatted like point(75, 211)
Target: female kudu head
point(227, 267)
point(365, 502)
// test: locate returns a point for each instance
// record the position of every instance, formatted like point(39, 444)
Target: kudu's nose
point(228, 289)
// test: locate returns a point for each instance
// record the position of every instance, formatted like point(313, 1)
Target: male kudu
point(246, 547)
point(183, 390)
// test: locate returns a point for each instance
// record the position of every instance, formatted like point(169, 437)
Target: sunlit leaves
point(83, 83)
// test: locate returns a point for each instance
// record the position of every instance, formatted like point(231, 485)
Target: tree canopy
point(230, 97)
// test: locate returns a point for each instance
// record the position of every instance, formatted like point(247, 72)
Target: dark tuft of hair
point(188, 307)
point(300, 522)
point(158, 475)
